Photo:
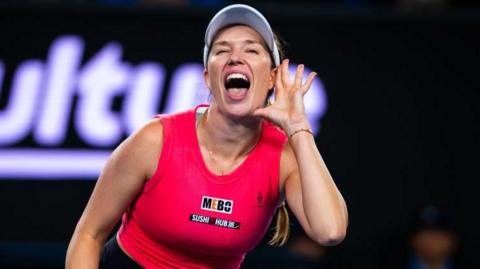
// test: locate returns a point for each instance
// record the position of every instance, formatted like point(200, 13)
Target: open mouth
point(237, 80)
point(237, 85)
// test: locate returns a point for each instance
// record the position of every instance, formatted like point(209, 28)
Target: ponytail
point(282, 227)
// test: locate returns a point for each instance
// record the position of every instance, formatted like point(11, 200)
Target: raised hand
point(288, 110)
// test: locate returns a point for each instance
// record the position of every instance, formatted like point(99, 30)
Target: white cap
point(240, 14)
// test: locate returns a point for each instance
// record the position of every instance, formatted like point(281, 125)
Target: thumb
point(261, 112)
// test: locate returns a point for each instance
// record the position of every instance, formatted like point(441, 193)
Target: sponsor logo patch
point(215, 221)
point(217, 205)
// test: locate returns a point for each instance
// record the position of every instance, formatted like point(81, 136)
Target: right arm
point(131, 164)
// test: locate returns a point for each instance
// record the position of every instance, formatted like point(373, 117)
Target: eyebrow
point(226, 43)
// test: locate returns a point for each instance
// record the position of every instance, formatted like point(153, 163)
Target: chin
point(239, 110)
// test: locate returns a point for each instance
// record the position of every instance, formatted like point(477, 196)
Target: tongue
point(237, 93)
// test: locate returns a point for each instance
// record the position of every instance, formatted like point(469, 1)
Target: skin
point(226, 134)
point(434, 247)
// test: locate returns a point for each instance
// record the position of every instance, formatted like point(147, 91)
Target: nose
point(235, 58)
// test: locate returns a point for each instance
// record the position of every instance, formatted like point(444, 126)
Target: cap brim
point(241, 14)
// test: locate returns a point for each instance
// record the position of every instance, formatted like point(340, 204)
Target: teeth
point(237, 75)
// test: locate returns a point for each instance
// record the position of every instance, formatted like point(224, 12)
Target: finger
point(297, 83)
point(285, 74)
point(306, 86)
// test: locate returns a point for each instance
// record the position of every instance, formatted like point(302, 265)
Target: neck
point(229, 139)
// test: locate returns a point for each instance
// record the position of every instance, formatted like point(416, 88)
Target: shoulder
point(150, 133)
point(178, 119)
point(149, 140)
point(141, 149)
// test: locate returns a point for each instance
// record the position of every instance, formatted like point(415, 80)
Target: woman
point(198, 189)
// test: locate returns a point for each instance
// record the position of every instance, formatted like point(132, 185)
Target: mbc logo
point(40, 104)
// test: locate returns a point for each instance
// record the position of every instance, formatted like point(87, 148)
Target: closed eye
point(220, 52)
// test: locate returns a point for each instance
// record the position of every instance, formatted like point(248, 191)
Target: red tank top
point(188, 217)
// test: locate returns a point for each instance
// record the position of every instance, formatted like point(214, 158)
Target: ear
point(206, 78)
point(271, 81)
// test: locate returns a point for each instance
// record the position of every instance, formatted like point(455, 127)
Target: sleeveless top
point(188, 217)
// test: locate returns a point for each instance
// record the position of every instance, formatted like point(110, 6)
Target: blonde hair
point(282, 227)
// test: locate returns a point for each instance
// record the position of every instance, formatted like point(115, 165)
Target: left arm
point(310, 190)
point(312, 194)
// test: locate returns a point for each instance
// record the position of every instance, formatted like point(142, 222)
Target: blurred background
point(395, 109)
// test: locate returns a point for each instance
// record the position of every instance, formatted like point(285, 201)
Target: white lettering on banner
point(142, 100)
point(101, 79)
point(188, 88)
point(51, 164)
point(40, 103)
point(59, 77)
point(17, 118)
